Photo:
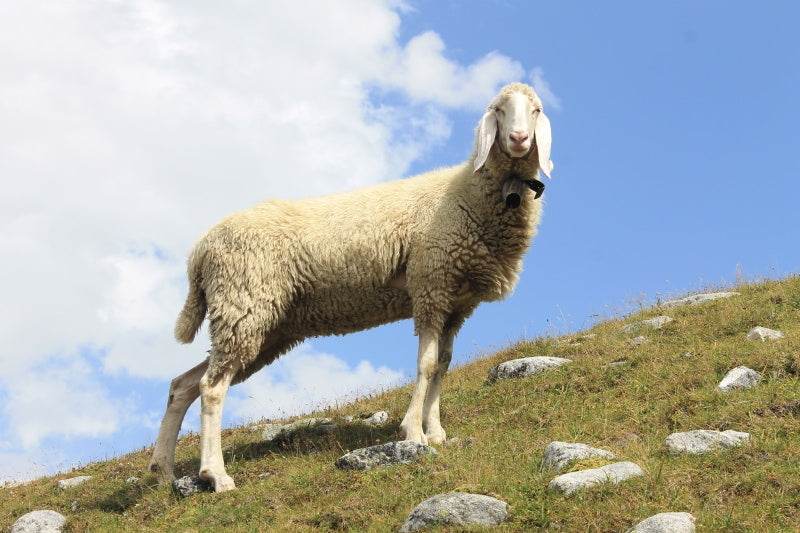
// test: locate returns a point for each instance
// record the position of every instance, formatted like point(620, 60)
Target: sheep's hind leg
point(183, 391)
point(411, 426)
point(430, 411)
point(213, 391)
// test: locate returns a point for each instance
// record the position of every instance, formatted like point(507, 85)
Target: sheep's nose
point(518, 137)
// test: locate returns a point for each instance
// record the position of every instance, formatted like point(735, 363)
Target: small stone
point(73, 482)
point(275, 431)
point(456, 441)
point(665, 523)
point(325, 429)
point(638, 341)
point(613, 473)
point(188, 485)
point(39, 522)
point(133, 480)
point(654, 323)
point(377, 418)
point(389, 454)
point(759, 333)
point(704, 441)
point(558, 454)
point(696, 299)
point(740, 377)
point(457, 509)
point(519, 368)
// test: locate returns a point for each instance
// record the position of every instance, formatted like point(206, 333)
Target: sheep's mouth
point(518, 149)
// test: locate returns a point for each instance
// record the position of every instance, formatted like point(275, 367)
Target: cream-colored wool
point(429, 248)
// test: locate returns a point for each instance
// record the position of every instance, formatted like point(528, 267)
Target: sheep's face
point(516, 124)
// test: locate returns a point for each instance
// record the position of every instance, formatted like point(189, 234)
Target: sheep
point(430, 247)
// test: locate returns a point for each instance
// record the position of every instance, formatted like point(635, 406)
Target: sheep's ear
point(543, 142)
point(484, 138)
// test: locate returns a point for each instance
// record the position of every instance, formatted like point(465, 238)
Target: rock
point(654, 323)
point(558, 454)
point(188, 485)
point(275, 431)
point(613, 473)
point(377, 418)
point(740, 377)
point(519, 368)
point(638, 341)
point(457, 509)
point(704, 441)
point(665, 523)
point(456, 441)
point(764, 334)
point(39, 522)
point(325, 429)
point(73, 482)
point(388, 454)
point(133, 480)
point(698, 299)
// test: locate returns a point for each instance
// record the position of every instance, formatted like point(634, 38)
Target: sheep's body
point(430, 247)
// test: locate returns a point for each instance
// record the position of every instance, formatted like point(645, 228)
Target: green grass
point(628, 409)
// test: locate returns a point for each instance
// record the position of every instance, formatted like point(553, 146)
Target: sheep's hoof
point(224, 484)
point(221, 482)
point(416, 436)
point(436, 437)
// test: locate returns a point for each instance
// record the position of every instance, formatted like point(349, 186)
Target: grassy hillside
point(663, 386)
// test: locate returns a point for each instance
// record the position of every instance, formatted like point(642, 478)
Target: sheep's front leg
point(427, 356)
point(430, 412)
point(183, 391)
point(212, 397)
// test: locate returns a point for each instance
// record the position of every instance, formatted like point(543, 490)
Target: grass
point(663, 386)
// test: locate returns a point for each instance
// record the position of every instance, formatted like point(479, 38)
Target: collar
point(513, 187)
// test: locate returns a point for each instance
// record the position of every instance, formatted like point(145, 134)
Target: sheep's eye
point(499, 111)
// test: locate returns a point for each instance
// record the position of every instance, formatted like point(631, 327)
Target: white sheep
point(431, 247)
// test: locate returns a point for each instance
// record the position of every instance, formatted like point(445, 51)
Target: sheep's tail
point(194, 310)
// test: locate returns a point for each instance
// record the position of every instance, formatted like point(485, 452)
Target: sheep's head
point(516, 123)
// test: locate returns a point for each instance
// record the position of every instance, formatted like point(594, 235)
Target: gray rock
point(275, 431)
point(613, 473)
point(638, 341)
point(457, 509)
point(740, 377)
point(702, 441)
point(39, 522)
point(665, 523)
point(73, 482)
point(654, 323)
point(388, 454)
point(188, 485)
point(759, 333)
point(456, 441)
point(519, 368)
point(324, 429)
point(698, 299)
point(377, 418)
point(558, 454)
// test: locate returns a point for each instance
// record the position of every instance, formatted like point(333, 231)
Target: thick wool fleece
point(429, 247)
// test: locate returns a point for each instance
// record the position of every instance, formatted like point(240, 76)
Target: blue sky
point(127, 129)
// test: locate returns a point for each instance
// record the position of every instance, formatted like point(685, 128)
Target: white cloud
point(63, 398)
point(542, 88)
point(305, 380)
point(128, 128)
